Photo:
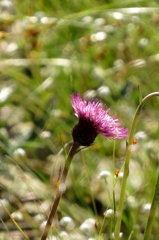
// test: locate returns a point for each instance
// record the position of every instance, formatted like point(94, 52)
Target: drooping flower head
point(94, 119)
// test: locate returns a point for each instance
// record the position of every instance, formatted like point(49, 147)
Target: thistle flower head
point(94, 119)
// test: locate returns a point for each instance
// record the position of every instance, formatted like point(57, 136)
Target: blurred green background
point(49, 49)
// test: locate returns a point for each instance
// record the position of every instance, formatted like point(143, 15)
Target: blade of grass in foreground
point(126, 172)
point(15, 223)
point(119, 4)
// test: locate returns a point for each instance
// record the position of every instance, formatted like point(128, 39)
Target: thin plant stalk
point(154, 205)
point(126, 164)
point(15, 223)
point(62, 187)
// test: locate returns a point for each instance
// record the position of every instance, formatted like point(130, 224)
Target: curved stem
point(61, 190)
point(127, 160)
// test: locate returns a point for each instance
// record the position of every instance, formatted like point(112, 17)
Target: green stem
point(127, 160)
point(154, 205)
point(61, 190)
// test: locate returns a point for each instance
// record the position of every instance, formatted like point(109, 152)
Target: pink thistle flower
point(94, 119)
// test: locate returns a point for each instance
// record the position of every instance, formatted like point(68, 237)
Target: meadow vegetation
point(101, 49)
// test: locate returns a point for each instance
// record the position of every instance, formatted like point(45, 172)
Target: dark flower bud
point(84, 132)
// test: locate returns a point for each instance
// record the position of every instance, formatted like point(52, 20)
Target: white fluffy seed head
point(88, 226)
point(104, 174)
point(109, 213)
point(120, 235)
point(64, 235)
point(67, 222)
point(146, 208)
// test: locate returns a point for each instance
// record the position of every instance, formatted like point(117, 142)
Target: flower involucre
point(94, 119)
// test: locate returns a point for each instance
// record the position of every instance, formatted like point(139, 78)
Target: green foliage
point(50, 49)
